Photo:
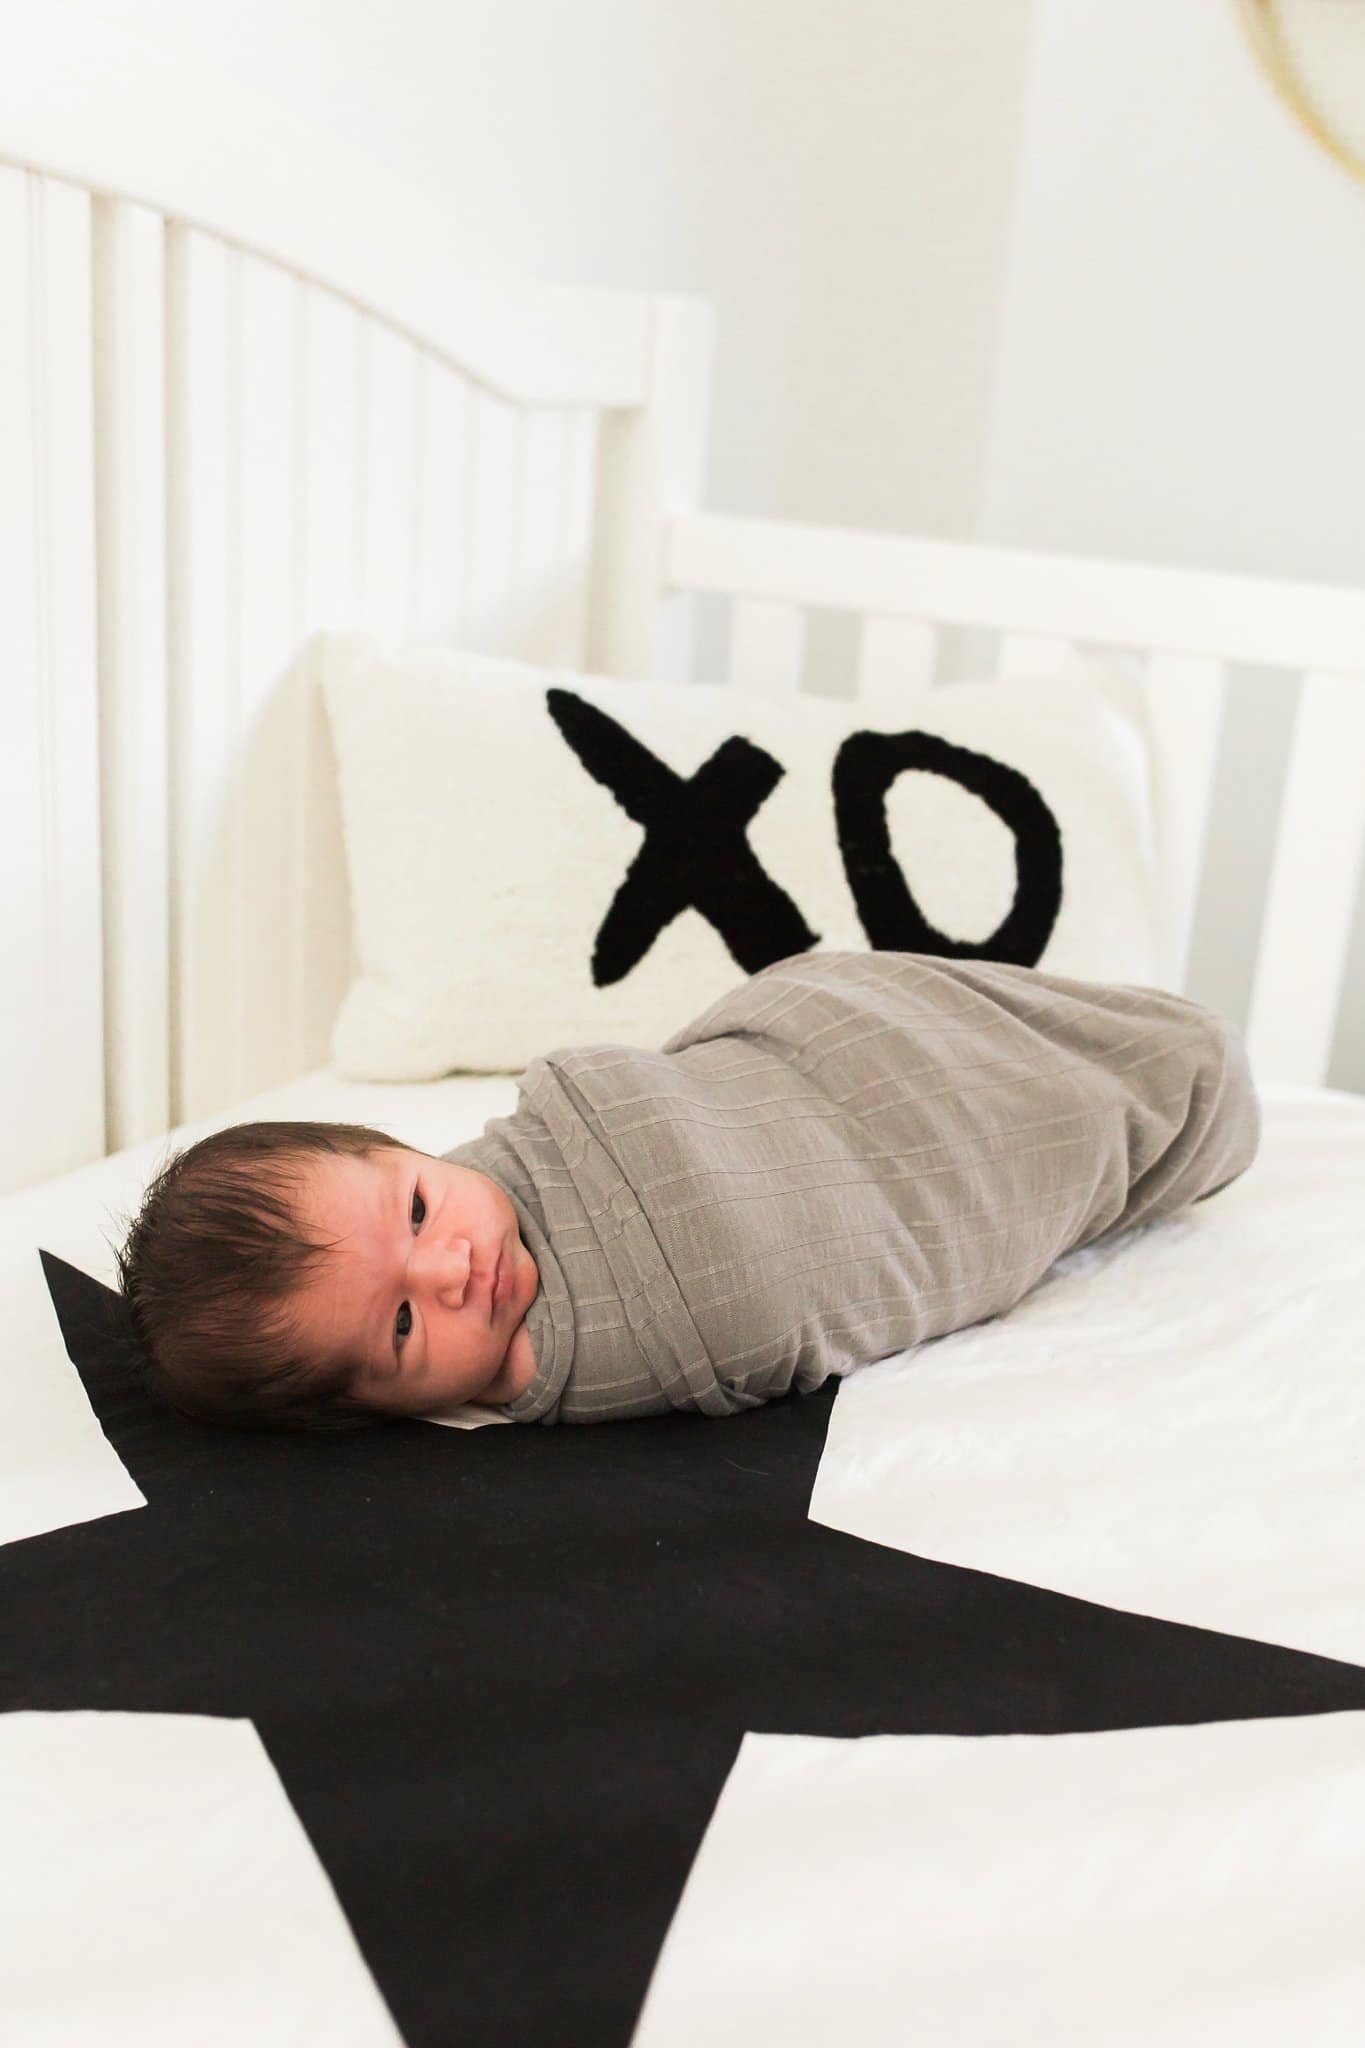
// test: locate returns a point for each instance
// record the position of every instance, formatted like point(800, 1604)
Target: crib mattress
point(1016, 1682)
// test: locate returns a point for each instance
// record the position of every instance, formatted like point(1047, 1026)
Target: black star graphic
point(503, 1676)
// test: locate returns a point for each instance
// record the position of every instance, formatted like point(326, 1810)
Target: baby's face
point(409, 1284)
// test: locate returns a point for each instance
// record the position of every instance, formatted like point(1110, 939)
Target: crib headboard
point(234, 410)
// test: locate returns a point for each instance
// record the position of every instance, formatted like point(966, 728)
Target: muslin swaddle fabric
point(846, 1154)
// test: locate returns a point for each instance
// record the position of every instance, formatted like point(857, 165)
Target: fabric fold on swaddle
point(847, 1154)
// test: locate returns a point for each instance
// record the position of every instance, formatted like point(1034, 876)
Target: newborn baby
point(843, 1156)
point(430, 1283)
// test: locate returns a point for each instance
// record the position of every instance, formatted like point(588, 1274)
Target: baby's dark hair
point(207, 1271)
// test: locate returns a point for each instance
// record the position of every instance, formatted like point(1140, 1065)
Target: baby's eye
point(400, 1328)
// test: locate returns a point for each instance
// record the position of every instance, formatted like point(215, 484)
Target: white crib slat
point(203, 412)
point(580, 489)
point(388, 501)
point(1301, 960)
point(441, 517)
point(23, 1057)
point(51, 1022)
point(491, 525)
point(72, 853)
point(326, 367)
point(766, 642)
point(537, 628)
point(651, 464)
point(268, 602)
point(895, 663)
point(1183, 699)
point(75, 1022)
point(328, 499)
point(1031, 654)
point(130, 455)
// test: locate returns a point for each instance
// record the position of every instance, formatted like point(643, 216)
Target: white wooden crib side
point(211, 456)
point(1183, 631)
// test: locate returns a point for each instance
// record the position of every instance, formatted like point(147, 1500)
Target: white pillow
point(509, 899)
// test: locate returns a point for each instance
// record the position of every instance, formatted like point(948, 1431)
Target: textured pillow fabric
point(542, 858)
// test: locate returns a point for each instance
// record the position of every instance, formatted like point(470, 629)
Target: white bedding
point(1172, 1424)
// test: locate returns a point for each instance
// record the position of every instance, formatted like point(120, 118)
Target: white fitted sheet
point(1173, 1424)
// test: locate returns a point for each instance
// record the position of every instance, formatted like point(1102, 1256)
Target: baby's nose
point(451, 1266)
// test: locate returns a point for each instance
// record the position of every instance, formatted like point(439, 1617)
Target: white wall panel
point(51, 1016)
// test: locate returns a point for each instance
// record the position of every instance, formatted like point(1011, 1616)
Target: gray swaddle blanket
point(845, 1155)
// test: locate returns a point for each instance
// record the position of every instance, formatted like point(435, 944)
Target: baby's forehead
point(350, 1184)
point(382, 1159)
point(344, 1207)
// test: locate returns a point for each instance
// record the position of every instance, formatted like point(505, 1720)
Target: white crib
point(219, 437)
point(235, 409)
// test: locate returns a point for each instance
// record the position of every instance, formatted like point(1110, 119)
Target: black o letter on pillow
point(864, 769)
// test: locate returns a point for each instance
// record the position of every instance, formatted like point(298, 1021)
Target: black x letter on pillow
point(694, 853)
